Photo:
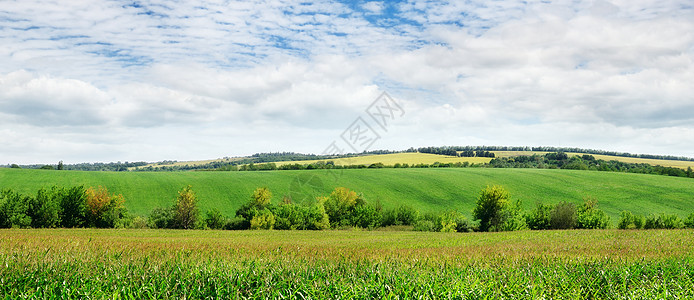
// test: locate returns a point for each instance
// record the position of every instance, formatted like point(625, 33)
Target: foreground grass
point(149, 264)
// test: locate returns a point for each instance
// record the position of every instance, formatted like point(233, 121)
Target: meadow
point(169, 264)
point(427, 190)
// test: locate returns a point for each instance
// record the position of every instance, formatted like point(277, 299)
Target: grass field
point(163, 264)
point(428, 190)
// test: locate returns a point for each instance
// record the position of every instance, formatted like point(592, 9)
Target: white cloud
point(190, 81)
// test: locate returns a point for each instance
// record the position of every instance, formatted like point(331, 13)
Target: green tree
point(494, 209)
point(73, 206)
point(340, 205)
point(689, 222)
point(13, 210)
point(186, 209)
point(60, 165)
point(260, 200)
point(45, 208)
point(540, 218)
point(628, 220)
point(588, 216)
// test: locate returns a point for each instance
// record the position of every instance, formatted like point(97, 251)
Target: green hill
point(429, 190)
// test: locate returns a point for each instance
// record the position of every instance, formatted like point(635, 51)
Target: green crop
point(166, 264)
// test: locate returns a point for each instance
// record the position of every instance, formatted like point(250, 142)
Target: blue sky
point(154, 80)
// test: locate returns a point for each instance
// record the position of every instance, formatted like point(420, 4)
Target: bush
point(161, 218)
point(494, 209)
point(260, 200)
point(263, 220)
point(424, 225)
point(628, 220)
point(104, 210)
point(340, 204)
point(563, 216)
point(139, 223)
point(185, 210)
point(590, 217)
point(540, 218)
point(689, 222)
point(44, 209)
point(663, 221)
point(214, 219)
point(13, 210)
point(73, 206)
point(406, 215)
point(447, 221)
point(365, 216)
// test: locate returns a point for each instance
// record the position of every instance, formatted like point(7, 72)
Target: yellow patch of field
point(190, 163)
point(391, 159)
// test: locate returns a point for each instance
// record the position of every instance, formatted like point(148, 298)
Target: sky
point(102, 81)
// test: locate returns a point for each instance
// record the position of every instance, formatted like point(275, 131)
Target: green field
point(428, 190)
point(165, 264)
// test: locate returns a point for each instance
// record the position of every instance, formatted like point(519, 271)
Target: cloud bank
point(154, 80)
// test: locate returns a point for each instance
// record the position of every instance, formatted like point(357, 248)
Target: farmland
point(166, 264)
point(427, 190)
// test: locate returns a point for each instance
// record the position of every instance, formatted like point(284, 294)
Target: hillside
point(429, 190)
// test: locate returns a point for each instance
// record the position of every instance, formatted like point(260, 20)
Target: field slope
point(428, 190)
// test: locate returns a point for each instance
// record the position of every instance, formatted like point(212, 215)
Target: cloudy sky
point(88, 81)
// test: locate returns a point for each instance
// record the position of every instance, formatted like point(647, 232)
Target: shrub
point(689, 222)
point(45, 209)
point(139, 222)
point(540, 218)
point(494, 208)
point(13, 210)
point(628, 220)
point(447, 221)
point(406, 215)
point(340, 204)
point(590, 217)
point(260, 200)
point(263, 220)
point(185, 210)
point(214, 219)
point(463, 224)
point(663, 221)
point(563, 216)
point(315, 217)
point(161, 218)
point(104, 210)
point(365, 216)
point(73, 206)
point(424, 225)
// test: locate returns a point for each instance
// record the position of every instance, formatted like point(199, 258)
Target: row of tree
point(63, 207)
point(494, 211)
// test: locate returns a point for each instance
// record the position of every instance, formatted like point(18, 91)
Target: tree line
point(342, 208)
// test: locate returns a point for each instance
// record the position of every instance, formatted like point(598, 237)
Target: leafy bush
point(214, 219)
point(263, 220)
point(340, 204)
point(628, 220)
point(590, 217)
point(448, 221)
point(424, 225)
point(494, 209)
point(44, 209)
point(663, 221)
point(563, 216)
point(161, 218)
point(104, 210)
point(406, 215)
point(365, 216)
point(139, 222)
point(689, 222)
point(185, 210)
point(73, 204)
point(260, 200)
point(540, 218)
point(13, 210)
point(462, 224)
